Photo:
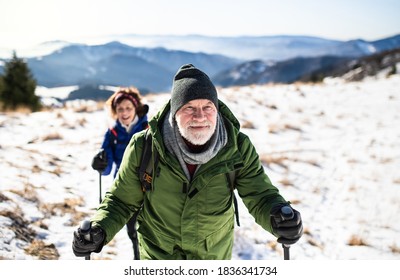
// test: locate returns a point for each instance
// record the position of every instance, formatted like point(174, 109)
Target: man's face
point(197, 121)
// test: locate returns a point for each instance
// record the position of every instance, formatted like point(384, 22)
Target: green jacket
point(193, 224)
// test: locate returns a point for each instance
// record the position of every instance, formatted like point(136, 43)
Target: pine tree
point(18, 86)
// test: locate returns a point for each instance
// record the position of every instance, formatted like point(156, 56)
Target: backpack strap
point(114, 138)
point(114, 132)
point(146, 165)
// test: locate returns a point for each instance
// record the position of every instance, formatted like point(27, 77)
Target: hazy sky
point(31, 21)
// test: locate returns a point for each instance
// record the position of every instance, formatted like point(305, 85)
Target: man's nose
point(199, 114)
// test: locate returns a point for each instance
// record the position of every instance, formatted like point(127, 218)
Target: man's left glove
point(84, 244)
point(288, 230)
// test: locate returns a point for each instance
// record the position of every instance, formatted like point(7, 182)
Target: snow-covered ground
point(333, 149)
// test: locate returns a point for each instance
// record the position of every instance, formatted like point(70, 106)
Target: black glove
point(91, 241)
point(99, 161)
point(288, 228)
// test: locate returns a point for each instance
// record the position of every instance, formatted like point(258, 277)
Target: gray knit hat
point(189, 84)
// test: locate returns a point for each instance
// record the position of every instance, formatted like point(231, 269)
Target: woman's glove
point(99, 161)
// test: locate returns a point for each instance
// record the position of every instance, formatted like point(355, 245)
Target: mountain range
point(150, 62)
point(308, 69)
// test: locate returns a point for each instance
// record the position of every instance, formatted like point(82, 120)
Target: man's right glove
point(288, 230)
point(84, 244)
point(99, 161)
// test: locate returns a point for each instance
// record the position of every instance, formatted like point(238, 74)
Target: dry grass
point(52, 136)
point(311, 240)
point(247, 124)
point(27, 193)
point(277, 128)
point(85, 108)
point(19, 225)
point(280, 159)
point(268, 160)
point(295, 201)
point(57, 171)
point(67, 207)
point(74, 124)
point(314, 242)
point(42, 251)
point(395, 249)
point(356, 241)
point(273, 245)
point(36, 169)
point(285, 182)
point(20, 110)
point(3, 197)
point(22, 227)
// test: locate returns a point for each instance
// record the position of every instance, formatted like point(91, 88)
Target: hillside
point(331, 148)
point(357, 69)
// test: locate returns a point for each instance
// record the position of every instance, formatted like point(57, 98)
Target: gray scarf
point(177, 146)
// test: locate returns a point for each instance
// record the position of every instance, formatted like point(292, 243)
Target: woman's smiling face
point(126, 111)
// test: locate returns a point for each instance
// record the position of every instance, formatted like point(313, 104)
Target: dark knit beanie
point(189, 84)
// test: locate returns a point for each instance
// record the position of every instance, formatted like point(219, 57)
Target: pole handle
point(286, 214)
point(85, 228)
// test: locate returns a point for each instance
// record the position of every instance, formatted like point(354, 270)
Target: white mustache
point(196, 124)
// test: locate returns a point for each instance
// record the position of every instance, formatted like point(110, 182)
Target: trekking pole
point(136, 253)
point(99, 186)
point(286, 214)
point(102, 157)
point(85, 230)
